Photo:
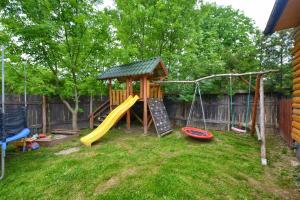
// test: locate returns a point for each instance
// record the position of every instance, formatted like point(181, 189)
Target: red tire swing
point(192, 131)
point(197, 133)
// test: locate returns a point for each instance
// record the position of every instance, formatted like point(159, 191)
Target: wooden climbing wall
point(160, 116)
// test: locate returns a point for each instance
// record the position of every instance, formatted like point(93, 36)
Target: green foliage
point(275, 53)
point(62, 37)
point(73, 40)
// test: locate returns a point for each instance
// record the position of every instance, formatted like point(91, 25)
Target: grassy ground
point(130, 165)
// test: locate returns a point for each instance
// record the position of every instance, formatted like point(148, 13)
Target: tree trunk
point(74, 120)
point(73, 111)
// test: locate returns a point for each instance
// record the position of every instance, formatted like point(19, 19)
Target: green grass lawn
point(130, 165)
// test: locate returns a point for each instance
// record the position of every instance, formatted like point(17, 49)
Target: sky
point(258, 10)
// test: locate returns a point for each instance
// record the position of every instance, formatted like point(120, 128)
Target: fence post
point(44, 114)
point(91, 113)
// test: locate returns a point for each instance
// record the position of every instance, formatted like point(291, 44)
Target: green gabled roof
point(135, 69)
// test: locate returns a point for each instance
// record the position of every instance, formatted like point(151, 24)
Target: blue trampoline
point(13, 123)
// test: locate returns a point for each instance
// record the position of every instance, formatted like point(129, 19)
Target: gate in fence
point(285, 120)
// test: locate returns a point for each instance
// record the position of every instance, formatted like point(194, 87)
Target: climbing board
point(160, 116)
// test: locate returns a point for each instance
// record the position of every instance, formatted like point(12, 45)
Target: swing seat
point(238, 130)
point(197, 133)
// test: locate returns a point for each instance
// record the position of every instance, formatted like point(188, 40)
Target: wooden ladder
point(101, 111)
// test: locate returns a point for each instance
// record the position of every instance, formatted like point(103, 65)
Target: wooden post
point(262, 122)
point(128, 93)
point(148, 89)
point(131, 86)
point(145, 112)
point(44, 115)
point(91, 113)
point(141, 88)
point(110, 95)
point(254, 107)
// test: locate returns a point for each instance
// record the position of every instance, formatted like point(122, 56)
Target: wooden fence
point(217, 111)
point(57, 114)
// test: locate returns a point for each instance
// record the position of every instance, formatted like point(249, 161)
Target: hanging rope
point(231, 106)
point(192, 106)
point(202, 107)
point(248, 101)
point(197, 89)
point(247, 108)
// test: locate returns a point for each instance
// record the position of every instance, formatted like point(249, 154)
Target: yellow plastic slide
point(109, 121)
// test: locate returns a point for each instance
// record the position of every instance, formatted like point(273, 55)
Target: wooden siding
point(296, 87)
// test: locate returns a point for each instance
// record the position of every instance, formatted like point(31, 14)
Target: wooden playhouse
point(137, 78)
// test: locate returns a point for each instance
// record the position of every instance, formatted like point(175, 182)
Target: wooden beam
point(254, 107)
point(218, 75)
point(44, 115)
point(150, 122)
point(262, 122)
point(136, 116)
point(246, 81)
point(145, 111)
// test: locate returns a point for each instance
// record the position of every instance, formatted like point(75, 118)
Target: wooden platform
point(55, 139)
point(65, 132)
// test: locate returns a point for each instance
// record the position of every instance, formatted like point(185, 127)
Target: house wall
point(296, 87)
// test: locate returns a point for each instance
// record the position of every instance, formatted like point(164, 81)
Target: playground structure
point(141, 74)
point(121, 101)
point(13, 122)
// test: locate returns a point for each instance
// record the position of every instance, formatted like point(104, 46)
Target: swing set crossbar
point(219, 75)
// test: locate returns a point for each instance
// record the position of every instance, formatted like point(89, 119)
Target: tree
point(221, 40)
point(193, 40)
point(151, 28)
point(61, 39)
point(275, 53)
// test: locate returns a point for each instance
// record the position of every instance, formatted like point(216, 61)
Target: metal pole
point(3, 146)
point(2, 164)
point(25, 86)
point(3, 94)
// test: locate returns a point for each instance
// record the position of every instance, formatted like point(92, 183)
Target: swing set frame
point(258, 97)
